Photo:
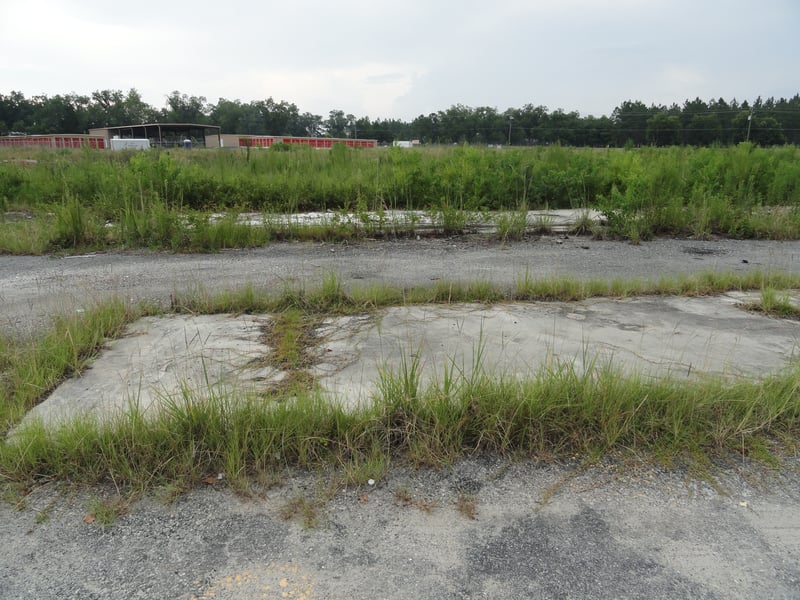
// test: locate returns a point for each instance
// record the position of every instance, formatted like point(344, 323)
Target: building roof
point(166, 126)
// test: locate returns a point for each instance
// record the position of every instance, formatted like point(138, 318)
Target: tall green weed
point(644, 192)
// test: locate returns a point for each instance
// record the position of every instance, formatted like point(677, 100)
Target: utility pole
point(510, 120)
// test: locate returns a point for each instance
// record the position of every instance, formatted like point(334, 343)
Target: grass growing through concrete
point(776, 303)
point(29, 369)
point(73, 228)
point(289, 335)
point(512, 226)
point(559, 411)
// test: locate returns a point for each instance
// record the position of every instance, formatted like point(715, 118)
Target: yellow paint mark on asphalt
point(261, 582)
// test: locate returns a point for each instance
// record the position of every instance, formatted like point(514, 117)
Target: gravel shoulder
point(537, 531)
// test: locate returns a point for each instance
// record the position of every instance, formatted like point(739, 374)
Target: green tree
point(664, 130)
point(16, 111)
point(767, 131)
point(228, 114)
point(456, 124)
point(59, 114)
point(630, 122)
point(427, 128)
point(703, 130)
point(276, 118)
point(336, 124)
point(308, 124)
point(137, 111)
point(351, 126)
point(561, 127)
point(182, 108)
point(109, 108)
point(692, 108)
point(597, 132)
point(529, 122)
point(387, 130)
point(725, 113)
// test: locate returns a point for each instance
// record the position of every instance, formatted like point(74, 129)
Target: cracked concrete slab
point(159, 358)
point(654, 336)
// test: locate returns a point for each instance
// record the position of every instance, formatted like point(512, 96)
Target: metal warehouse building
point(164, 135)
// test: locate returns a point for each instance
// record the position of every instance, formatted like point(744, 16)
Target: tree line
point(696, 122)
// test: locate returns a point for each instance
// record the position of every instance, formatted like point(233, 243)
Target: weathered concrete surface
point(655, 336)
point(422, 221)
point(159, 358)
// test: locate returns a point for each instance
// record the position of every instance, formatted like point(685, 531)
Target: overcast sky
point(403, 58)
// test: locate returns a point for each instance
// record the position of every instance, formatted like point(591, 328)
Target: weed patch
point(106, 511)
point(404, 497)
point(775, 304)
point(302, 509)
point(85, 200)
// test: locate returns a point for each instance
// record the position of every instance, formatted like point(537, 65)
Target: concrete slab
point(159, 358)
point(557, 220)
point(656, 336)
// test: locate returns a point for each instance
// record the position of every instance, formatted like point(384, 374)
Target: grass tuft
point(776, 304)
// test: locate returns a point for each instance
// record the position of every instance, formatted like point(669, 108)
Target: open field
point(94, 199)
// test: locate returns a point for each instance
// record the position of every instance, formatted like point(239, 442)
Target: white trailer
point(130, 144)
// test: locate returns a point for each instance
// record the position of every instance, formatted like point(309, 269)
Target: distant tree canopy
point(697, 122)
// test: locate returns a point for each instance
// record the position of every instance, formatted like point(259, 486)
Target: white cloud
point(399, 59)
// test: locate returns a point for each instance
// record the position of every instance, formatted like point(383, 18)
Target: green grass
point(162, 199)
point(290, 337)
point(105, 512)
point(776, 303)
point(560, 411)
point(301, 508)
point(333, 297)
point(512, 226)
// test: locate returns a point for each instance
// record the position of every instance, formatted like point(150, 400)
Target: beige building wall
point(100, 132)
